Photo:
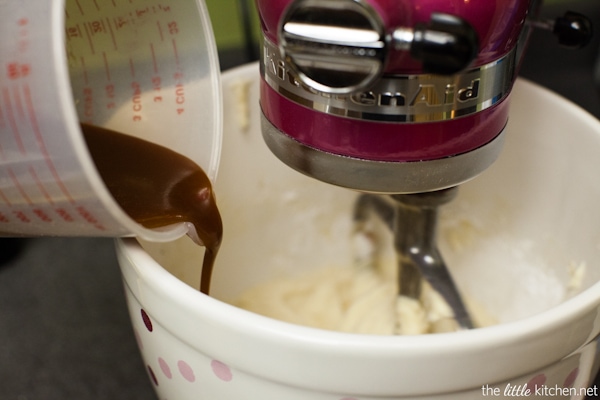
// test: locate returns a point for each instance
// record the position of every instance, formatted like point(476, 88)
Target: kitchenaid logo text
point(398, 98)
point(543, 391)
point(429, 95)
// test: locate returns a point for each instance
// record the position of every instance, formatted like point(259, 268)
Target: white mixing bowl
point(511, 239)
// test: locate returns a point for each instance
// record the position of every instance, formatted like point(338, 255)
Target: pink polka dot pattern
point(570, 380)
point(536, 381)
point(147, 320)
point(186, 371)
point(165, 368)
point(222, 371)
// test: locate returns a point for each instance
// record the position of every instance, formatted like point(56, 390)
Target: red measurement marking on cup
point(88, 35)
point(160, 31)
point(179, 92)
point(157, 86)
point(96, 27)
point(2, 126)
point(154, 62)
point(4, 218)
point(131, 18)
point(106, 65)
point(96, 4)
point(11, 121)
point(136, 101)
point(73, 32)
point(176, 52)
point(41, 143)
point(132, 67)
point(42, 215)
point(180, 97)
point(173, 27)
point(113, 3)
point(18, 103)
point(112, 34)
point(17, 184)
point(121, 22)
point(64, 214)
point(109, 91)
point(5, 199)
point(84, 71)
point(88, 104)
point(22, 37)
point(141, 12)
point(16, 70)
point(79, 7)
point(178, 75)
point(21, 216)
point(40, 186)
point(89, 218)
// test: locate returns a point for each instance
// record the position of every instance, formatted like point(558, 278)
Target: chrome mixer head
point(394, 96)
point(389, 96)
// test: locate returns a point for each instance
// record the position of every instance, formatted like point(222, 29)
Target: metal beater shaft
point(413, 220)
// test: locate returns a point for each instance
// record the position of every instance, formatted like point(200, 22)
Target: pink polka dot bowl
point(522, 241)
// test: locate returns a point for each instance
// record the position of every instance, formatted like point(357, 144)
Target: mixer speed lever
point(446, 45)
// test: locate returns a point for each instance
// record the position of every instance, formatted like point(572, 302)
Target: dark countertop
point(64, 328)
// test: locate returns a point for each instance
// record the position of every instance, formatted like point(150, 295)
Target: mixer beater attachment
point(412, 218)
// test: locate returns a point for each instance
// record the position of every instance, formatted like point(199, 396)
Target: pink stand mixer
point(403, 100)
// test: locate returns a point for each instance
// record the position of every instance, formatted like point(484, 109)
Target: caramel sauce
point(158, 187)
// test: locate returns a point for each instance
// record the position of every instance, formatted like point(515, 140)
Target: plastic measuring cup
point(146, 68)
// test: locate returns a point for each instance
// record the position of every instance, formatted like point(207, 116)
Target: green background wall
point(226, 17)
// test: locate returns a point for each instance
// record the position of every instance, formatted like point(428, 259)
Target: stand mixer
point(402, 100)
